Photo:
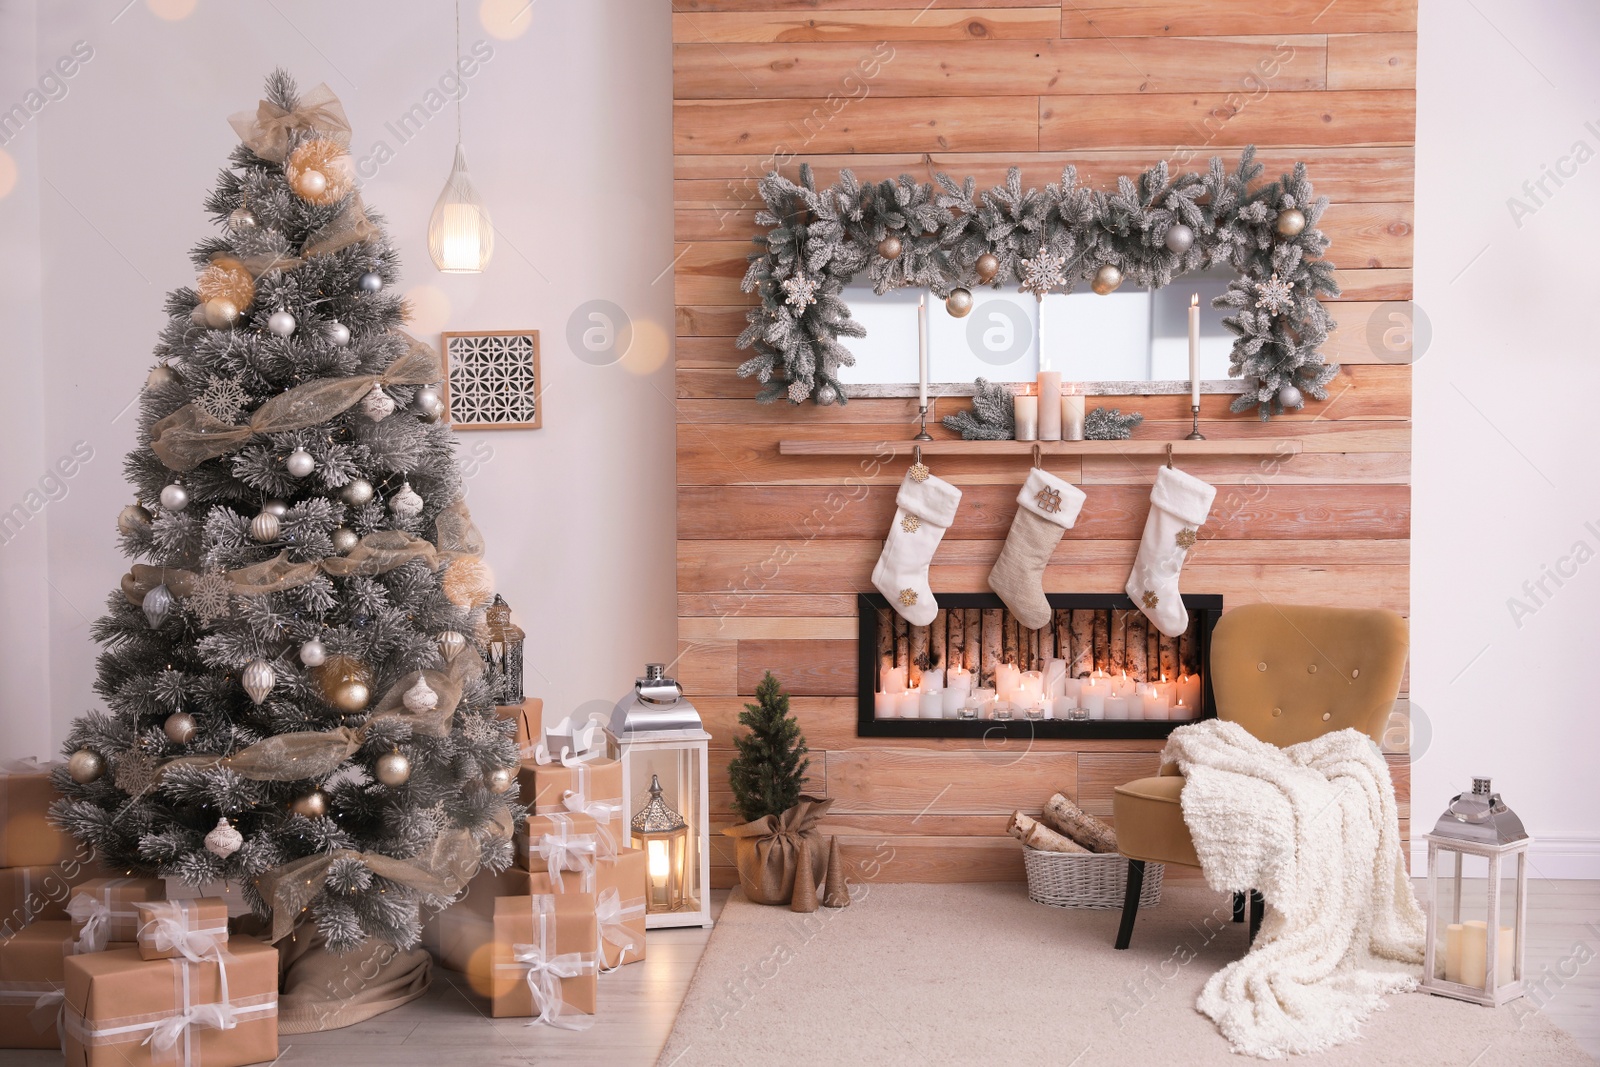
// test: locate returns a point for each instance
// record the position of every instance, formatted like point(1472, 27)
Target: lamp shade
point(460, 235)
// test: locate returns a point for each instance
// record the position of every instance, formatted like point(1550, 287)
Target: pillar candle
point(933, 679)
point(932, 704)
point(1072, 417)
point(1475, 954)
point(1049, 405)
point(953, 700)
point(1155, 702)
point(922, 350)
point(883, 705)
point(893, 679)
point(1055, 674)
point(1181, 711)
point(1194, 350)
point(910, 704)
point(1189, 689)
point(1025, 410)
point(958, 678)
point(1454, 934)
point(1031, 683)
point(1093, 697)
point(1061, 705)
point(1135, 705)
point(1005, 677)
point(1070, 687)
point(1116, 707)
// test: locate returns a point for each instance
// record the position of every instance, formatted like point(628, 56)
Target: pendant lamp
point(460, 235)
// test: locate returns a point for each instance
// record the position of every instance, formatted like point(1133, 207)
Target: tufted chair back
point(1288, 674)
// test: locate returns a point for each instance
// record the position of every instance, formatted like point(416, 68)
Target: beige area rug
point(979, 974)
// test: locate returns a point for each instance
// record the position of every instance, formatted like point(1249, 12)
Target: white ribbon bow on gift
point(95, 915)
point(567, 852)
point(168, 933)
point(600, 811)
point(167, 1031)
point(611, 915)
point(48, 1010)
point(544, 982)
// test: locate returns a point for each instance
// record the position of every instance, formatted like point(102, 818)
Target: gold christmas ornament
point(320, 171)
point(313, 805)
point(179, 727)
point(468, 583)
point(351, 696)
point(161, 376)
point(227, 279)
point(499, 780)
point(1291, 222)
point(343, 682)
point(988, 265)
point(344, 539)
point(85, 766)
point(220, 314)
point(890, 247)
point(959, 303)
point(392, 769)
point(357, 492)
point(1106, 280)
point(135, 518)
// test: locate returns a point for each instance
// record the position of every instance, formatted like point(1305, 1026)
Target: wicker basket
point(1086, 880)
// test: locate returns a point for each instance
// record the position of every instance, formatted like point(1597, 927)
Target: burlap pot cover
point(767, 851)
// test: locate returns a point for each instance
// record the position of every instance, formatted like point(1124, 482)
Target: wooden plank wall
point(771, 550)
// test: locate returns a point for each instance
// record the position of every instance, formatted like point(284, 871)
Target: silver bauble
point(392, 769)
point(221, 313)
point(406, 504)
point(1106, 280)
point(161, 376)
point(988, 265)
point(85, 766)
point(370, 282)
point(276, 507)
point(826, 394)
point(959, 303)
point(174, 497)
point(179, 727)
point(312, 805)
point(344, 539)
point(377, 405)
point(157, 605)
point(428, 403)
point(281, 323)
point(313, 653)
point(1291, 222)
point(338, 334)
point(450, 644)
point(357, 492)
point(312, 183)
point(135, 518)
point(1180, 238)
point(890, 247)
point(242, 220)
point(259, 679)
point(1290, 397)
point(500, 779)
point(264, 528)
point(223, 840)
point(299, 464)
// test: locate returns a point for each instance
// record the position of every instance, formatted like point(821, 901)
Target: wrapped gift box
point(466, 944)
point(592, 788)
point(168, 929)
point(127, 1011)
point(32, 965)
point(544, 957)
point(29, 894)
point(621, 885)
point(529, 716)
point(26, 837)
point(568, 847)
point(103, 908)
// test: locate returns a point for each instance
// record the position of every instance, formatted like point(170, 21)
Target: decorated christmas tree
point(291, 669)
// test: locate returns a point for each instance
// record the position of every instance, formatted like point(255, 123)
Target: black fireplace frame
point(1206, 607)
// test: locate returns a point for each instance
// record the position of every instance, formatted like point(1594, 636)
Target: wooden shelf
point(1285, 446)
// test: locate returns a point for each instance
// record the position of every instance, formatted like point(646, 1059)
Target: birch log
point(991, 644)
point(1169, 658)
point(1082, 643)
point(885, 640)
point(1138, 631)
point(1066, 817)
point(918, 652)
point(937, 653)
point(955, 637)
point(1037, 835)
point(1008, 639)
point(974, 650)
point(1102, 640)
point(1062, 621)
point(1118, 634)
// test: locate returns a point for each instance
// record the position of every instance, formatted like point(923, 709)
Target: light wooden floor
point(639, 1002)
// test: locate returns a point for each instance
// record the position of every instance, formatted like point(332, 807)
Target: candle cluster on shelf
point(1046, 693)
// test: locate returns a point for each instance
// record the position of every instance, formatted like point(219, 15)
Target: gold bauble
point(312, 805)
point(1291, 223)
point(351, 696)
point(327, 158)
point(344, 682)
point(85, 766)
point(179, 727)
point(959, 303)
point(1106, 280)
point(227, 279)
point(988, 266)
point(890, 247)
point(392, 769)
point(135, 518)
point(468, 583)
point(499, 780)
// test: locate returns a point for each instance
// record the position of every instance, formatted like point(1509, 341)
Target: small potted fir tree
point(780, 822)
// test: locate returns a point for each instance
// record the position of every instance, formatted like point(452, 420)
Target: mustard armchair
point(1286, 674)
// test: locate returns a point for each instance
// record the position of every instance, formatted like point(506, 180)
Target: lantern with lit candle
point(664, 836)
point(1483, 960)
point(504, 651)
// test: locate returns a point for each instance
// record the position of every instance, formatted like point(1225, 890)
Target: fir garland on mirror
point(1150, 231)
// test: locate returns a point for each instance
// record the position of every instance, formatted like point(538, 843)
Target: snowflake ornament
point(1042, 273)
point(801, 290)
point(478, 730)
point(908, 597)
point(224, 399)
point(212, 597)
point(910, 524)
point(1186, 538)
point(1274, 295)
point(798, 391)
point(136, 773)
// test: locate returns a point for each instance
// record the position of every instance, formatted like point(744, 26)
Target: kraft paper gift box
point(544, 958)
point(567, 847)
point(592, 788)
point(620, 886)
point(192, 929)
point(529, 716)
point(463, 933)
point(32, 973)
point(103, 909)
point(26, 837)
point(30, 894)
point(127, 1011)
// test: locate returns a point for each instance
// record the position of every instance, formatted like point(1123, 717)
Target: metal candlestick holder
point(1195, 434)
point(922, 420)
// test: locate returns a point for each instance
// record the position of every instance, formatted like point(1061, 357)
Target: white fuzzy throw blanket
point(1314, 829)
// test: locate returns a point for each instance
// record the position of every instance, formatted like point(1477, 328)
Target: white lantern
point(1482, 959)
point(658, 737)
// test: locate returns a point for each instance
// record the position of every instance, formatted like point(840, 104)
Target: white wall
point(1505, 480)
point(568, 136)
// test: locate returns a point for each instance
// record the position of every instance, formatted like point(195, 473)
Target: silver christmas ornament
point(420, 697)
point(161, 376)
point(179, 727)
point(370, 282)
point(300, 463)
point(281, 323)
point(313, 805)
point(889, 247)
point(1180, 238)
point(223, 840)
point(85, 766)
point(338, 334)
point(135, 518)
point(242, 220)
point(344, 539)
point(276, 507)
point(259, 679)
point(1106, 280)
point(313, 653)
point(1290, 397)
point(826, 394)
point(500, 779)
point(264, 528)
point(392, 769)
point(357, 492)
point(157, 605)
point(428, 403)
point(450, 644)
point(959, 303)
point(221, 314)
point(1291, 222)
point(174, 497)
point(406, 504)
point(377, 405)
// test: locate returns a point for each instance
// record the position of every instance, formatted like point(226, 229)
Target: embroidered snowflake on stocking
point(801, 291)
point(908, 597)
point(910, 524)
point(1274, 295)
point(1042, 273)
point(224, 399)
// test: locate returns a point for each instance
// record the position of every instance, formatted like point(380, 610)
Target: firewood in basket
point(1066, 817)
point(1037, 835)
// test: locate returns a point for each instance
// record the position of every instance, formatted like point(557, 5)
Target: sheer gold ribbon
point(188, 437)
point(269, 131)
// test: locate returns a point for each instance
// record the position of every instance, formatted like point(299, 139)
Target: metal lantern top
point(655, 707)
point(497, 617)
point(1480, 818)
point(655, 817)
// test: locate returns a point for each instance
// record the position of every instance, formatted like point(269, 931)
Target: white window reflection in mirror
point(1129, 336)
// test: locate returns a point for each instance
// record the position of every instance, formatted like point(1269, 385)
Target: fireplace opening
point(1099, 670)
